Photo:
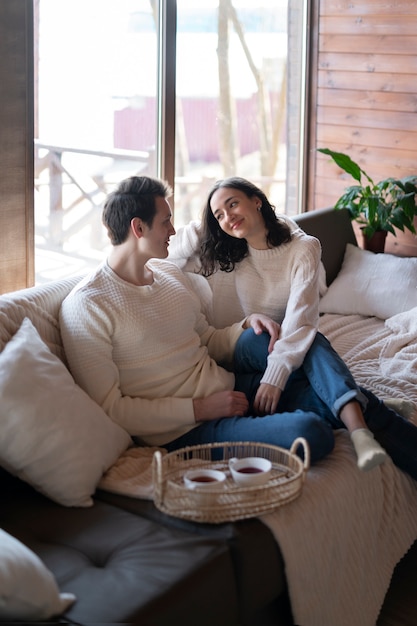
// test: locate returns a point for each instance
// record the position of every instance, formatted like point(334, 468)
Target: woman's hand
point(262, 323)
point(266, 399)
point(220, 404)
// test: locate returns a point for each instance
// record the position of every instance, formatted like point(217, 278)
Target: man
point(137, 341)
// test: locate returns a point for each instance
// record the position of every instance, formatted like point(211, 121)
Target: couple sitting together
point(251, 368)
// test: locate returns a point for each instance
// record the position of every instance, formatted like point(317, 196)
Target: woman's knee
point(322, 340)
point(251, 351)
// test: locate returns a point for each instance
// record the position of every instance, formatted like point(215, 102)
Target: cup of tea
point(203, 478)
point(251, 470)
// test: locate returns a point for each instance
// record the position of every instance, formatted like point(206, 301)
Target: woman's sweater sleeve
point(184, 247)
point(300, 322)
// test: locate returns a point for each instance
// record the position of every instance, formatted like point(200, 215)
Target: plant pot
point(376, 243)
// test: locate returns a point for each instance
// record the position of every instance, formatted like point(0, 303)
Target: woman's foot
point(369, 452)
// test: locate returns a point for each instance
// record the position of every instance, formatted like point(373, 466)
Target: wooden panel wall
point(364, 95)
point(16, 145)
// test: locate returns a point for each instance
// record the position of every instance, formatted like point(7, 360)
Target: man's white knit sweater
point(281, 282)
point(143, 353)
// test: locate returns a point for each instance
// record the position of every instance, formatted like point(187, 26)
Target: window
point(109, 75)
point(230, 98)
point(94, 61)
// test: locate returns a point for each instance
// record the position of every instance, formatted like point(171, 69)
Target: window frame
point(17, 115)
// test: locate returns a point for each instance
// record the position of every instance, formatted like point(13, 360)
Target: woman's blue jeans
point(322, 379)
point(279, 429)
point(323, 384)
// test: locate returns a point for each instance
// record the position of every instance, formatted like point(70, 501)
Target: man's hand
point(220, 404)
point(261, 323)
point(266, 399)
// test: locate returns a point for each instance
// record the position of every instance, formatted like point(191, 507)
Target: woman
point(256, 261)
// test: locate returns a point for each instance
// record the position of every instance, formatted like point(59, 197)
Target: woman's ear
point(258, 202)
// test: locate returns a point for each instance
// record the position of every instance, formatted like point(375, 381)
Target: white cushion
point(379, 285)
point(28, 590)
point(52, 434)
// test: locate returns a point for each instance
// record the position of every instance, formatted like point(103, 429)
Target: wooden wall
point(16, 145)
point(363, 96)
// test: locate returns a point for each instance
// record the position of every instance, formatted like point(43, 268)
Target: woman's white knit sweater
point(143, 353)
point(282, 282)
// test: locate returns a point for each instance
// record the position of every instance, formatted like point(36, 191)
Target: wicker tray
point(228, 501)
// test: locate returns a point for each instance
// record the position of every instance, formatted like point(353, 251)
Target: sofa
point(93, 556)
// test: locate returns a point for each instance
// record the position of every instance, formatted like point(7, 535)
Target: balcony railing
point(88, 180)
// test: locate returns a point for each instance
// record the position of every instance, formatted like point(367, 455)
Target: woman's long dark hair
point(221, 251)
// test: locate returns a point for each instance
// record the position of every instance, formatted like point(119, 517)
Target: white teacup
point(203, 479)
point(251, 470)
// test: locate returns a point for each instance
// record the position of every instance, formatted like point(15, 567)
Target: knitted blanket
point(342, 539)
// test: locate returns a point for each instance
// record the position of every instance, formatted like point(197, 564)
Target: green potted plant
point(377, 207)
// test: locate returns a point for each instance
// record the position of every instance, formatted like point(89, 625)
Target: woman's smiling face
point(239, 216)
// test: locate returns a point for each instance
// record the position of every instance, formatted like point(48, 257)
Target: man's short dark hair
point(133, 197)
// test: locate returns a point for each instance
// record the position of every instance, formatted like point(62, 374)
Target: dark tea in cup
point(203, 478)
point(253, 470)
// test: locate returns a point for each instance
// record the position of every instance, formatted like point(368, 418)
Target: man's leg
point(394, 432)
point(279, 429)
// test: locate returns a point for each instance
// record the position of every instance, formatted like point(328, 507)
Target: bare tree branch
point(228, 145)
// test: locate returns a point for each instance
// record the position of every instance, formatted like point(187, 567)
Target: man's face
point(157, 236)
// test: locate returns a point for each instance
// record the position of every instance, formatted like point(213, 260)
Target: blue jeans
point(322, 379)
point(279, 429)
point(323, 384)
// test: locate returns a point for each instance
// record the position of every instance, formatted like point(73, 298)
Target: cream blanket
point(343, 537)
point(381, 355)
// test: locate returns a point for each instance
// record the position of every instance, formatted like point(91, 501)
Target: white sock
point(369, 452)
